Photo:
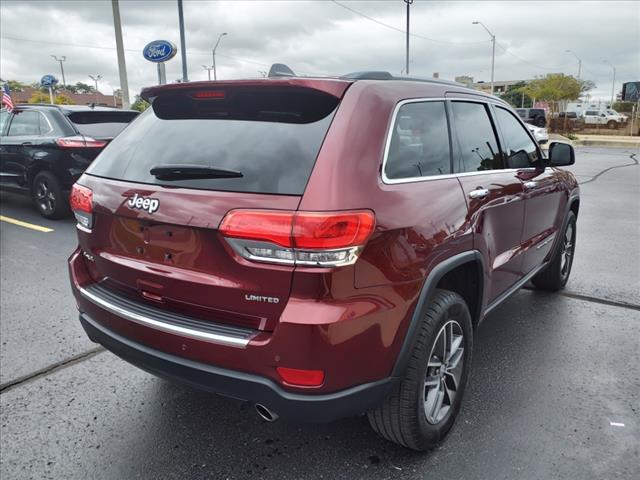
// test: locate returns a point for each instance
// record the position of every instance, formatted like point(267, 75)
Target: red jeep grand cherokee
point(319, 247)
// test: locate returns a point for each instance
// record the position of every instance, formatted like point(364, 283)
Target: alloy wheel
point(567, 251)
point(444, 372)
point(45, 198)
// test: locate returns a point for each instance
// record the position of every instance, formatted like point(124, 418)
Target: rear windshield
point(99, 124)
point(271, 137)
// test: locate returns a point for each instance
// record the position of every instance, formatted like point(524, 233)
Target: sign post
point(159, 51)
point(49, 81)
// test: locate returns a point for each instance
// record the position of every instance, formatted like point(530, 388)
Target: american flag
point(6, 98)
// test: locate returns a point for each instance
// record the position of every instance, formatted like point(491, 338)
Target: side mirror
point(561, 154)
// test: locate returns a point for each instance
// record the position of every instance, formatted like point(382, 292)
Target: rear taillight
point(320, 239)
point(81, 203)
point(80, 142)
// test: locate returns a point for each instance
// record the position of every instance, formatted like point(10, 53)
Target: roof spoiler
point(280, 70)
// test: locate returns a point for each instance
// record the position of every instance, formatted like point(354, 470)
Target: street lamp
point(579, 61)
point(408, 2)
point(613, 84)
point(96, 79)
point(213, 55)
point(493, 53)
point(61, 59)
point(208, 69)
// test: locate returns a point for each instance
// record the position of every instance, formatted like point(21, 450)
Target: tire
point(612, 125)
point(47, 196)
point(555, 276)
point(403, 417)
point(540, 122)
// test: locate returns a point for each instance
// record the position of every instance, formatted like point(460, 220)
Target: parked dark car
point(45, 148)
point(572, 123)
point(534, 116)
point(319, 247)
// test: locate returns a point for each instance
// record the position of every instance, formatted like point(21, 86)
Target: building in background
point(99, 99)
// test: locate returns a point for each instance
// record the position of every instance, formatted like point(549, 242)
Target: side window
point(419, 144)
point(520, 150)
point(4, 117)
point(476, 138)
point(25, 123)
point(43, 124)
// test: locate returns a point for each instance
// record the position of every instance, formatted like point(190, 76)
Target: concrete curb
point(606, 143)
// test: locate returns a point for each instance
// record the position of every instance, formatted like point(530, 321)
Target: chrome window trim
point(394, 181)
point(48, 123)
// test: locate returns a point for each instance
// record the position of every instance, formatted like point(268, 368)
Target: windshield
point(274, 156)
point(101, 124)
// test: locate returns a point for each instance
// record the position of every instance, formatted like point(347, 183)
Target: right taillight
point(81, 203)
point(319, 239)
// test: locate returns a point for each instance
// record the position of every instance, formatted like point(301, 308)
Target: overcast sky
point(323, 37)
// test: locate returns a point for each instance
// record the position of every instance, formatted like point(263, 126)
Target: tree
point(140, 104)
point(80, 87)
point(41, 97)
point(14, 85)
point(516, 97)
point(555, 87)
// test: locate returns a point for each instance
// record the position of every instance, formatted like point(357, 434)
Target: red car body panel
point(350, 322)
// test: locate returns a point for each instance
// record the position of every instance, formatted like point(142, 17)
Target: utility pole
point(408, 2)
point(613, 84)
point(61, 59)
point(213, 55)
point(122, 67)
point(96, 79)
point(493, 51)
point(183, 47)
point(208, 69)
point(579, 61)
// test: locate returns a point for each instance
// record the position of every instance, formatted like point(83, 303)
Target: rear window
point(100, 124)
point(271, 136)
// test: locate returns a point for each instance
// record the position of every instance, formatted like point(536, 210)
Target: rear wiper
point(191, 172)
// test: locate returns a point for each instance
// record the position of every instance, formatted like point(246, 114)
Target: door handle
point(479, 192)
point(26, 143)
point(530, 184)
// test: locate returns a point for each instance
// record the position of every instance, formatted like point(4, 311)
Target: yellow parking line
point(20, 223)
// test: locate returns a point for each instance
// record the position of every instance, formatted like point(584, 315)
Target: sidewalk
point(597, 141)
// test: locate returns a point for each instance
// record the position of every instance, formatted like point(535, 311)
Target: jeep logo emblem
point(149, 204)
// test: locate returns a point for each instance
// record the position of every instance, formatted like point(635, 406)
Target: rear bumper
point(241, 385)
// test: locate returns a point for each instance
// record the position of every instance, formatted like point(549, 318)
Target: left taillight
point(80, 141)
point(316, 239)
point(81, 203)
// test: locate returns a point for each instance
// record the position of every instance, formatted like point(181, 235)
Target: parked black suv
point(535, 116)
point(45, 148)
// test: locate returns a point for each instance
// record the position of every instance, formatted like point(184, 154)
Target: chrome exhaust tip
point(265, 413)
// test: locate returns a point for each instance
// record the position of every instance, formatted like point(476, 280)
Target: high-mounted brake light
point(81, 203)
point(79, 141)
point(322, 239)
point(212, 94)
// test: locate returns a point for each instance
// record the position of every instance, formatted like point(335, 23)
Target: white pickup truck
point(609, 118)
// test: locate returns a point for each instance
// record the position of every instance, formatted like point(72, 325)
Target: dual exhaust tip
point(265, 413)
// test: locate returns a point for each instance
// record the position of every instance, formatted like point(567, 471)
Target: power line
point(403, 31)
point(506, 50)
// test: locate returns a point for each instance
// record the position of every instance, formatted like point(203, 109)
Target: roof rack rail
point(382, 75)
point(280, 70)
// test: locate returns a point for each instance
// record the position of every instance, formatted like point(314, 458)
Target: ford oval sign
point(48, 81)
point(159, 51)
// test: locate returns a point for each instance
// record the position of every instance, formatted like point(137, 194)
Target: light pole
point(96, 79)
point(122, 66)
point(613, 84)
point(493, 51)
point(213, 55)
point(579, 61)
point(61, 59)
point(408, 2)
point(183, 46)
point(208, 69)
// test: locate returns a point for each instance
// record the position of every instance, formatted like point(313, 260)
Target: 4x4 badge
point(144, 203)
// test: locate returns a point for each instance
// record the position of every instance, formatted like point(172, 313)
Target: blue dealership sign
point(48, 81)
point(159, 51)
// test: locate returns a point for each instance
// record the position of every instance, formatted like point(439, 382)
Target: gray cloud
point(322, 38)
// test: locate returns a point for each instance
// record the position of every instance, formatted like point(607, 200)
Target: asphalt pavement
point(554, 389)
